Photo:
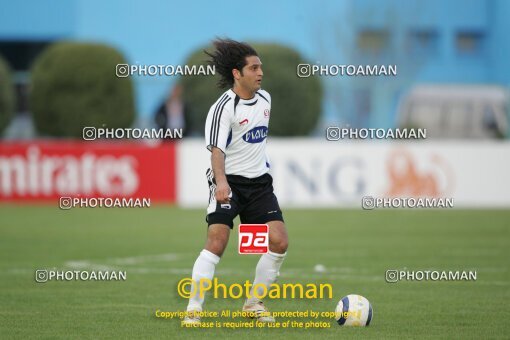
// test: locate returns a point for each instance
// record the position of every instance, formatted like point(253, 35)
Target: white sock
point(268, 270)
point(203, 269)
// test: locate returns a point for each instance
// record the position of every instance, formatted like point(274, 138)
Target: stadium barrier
point(308, 173)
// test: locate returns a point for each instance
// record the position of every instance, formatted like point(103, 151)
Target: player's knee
point(217, 239)
point(216, 245)
point(215, 248)
point(284, 244)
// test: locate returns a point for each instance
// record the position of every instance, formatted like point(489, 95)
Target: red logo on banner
point(253, 238)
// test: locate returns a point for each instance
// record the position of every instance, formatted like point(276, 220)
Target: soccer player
point(239, 182)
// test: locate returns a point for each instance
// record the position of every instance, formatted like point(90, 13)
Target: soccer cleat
point(259, 311)
point(192, 317)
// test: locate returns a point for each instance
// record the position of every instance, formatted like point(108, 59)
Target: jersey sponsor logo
point(243, 122)
point(266, 113)
point(256, 135)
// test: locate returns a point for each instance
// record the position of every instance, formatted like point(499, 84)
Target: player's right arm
point(217, 129)
point(218, 166)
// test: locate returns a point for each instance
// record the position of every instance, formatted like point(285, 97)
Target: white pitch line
point(88, 265)
point(169, 257)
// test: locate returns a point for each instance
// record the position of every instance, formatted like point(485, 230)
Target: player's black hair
point(228, 55)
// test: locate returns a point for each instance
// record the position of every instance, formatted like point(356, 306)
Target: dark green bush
point(296, 102)
point(6, 95)
point(74, 85)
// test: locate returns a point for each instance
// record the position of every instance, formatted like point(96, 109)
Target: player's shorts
point(252, 199)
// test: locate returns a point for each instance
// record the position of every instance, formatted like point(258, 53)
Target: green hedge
point(74, 85)
point(296, 102)
point(6, 95)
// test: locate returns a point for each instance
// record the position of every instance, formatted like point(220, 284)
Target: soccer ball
point(354, 310)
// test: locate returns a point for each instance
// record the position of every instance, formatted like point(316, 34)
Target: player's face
point(252, 74)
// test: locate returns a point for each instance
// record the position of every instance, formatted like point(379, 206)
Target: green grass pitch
point(157, 247)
